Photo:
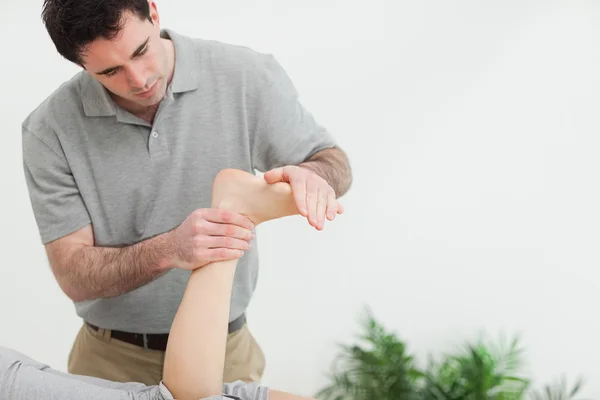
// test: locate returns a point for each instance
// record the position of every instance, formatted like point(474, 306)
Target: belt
point(158, 341)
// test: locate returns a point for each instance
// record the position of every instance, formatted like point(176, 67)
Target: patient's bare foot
point(241, 192)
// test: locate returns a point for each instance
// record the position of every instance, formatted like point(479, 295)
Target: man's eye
point(111, 73)
point(141, 53)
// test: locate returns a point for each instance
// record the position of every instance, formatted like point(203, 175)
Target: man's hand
point(314, 197)
point(209, 235)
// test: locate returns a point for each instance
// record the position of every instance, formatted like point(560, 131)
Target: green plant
point(379, 367)
point(477, 372)
point(559, 390)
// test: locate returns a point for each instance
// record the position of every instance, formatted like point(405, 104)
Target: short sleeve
point(245, 391)
point(238, 390)
point(55, 198)
point(284, 131)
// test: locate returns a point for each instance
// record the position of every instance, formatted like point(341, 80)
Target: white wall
point(474, 137)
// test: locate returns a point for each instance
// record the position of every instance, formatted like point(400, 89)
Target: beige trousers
point(95, 353)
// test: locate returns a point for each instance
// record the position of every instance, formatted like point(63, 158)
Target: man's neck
point(147, 113)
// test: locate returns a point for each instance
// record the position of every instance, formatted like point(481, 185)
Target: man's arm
point(84, 271)
point(317, 183)
point(333, 166)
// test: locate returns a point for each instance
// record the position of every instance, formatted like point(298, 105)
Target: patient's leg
point(195, 356)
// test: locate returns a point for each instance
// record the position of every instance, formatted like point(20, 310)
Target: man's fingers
point(332, 205)
point(321, 207)
point(226, 217)
point(220, 254)
point(228, 230)
point(299, 192)
point(312, 193)
point(228, 242)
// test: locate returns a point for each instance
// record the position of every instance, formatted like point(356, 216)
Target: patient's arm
point(195, 355)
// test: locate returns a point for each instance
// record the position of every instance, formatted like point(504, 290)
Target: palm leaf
point(377, 367)
point(559, 390)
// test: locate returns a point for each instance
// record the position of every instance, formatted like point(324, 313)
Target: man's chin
point(151, 101)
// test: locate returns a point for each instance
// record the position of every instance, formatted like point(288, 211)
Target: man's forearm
point(333, 166)
point(96, 272)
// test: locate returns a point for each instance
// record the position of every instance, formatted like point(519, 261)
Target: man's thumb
point(274, 175)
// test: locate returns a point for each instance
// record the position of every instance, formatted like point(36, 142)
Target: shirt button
point(154, 134)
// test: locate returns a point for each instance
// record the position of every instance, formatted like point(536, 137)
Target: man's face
point(134, 64)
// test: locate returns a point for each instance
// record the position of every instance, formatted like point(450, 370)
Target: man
point(119, 163)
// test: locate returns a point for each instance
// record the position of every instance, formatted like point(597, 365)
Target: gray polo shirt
point(24, 378)
point(86, 160)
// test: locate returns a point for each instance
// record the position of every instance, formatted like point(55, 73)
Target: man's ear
point(154, 12)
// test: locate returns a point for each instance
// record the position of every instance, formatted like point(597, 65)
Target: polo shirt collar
point(186, 77)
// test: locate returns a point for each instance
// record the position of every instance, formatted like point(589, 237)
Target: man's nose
point(136, 77)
